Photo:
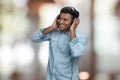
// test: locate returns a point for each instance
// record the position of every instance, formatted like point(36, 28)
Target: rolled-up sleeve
point(39, 37)
point(78, 46)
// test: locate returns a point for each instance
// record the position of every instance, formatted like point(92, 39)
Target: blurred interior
point(21, 59)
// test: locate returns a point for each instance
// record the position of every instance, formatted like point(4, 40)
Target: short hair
point(71, 10)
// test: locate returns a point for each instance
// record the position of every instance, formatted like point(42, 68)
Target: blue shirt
point(63, 53)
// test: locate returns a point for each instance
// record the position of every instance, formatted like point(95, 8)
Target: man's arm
point(73, 27)
point(48, 29)
point(78, 45)
point(78, 41)
point(44, 34)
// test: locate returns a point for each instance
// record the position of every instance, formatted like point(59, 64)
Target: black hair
point(71, 10)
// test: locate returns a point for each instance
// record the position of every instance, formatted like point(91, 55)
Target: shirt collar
point(66, 33)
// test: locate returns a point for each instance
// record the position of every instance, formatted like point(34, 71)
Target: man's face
point(64, 21)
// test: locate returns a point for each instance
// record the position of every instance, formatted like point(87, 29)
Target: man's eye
point(65, 19)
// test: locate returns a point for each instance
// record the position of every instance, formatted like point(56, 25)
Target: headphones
point(74, 14)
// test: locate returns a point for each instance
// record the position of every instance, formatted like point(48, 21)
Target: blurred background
point(21, 59)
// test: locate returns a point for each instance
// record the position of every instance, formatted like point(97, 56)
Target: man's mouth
point(61, 26)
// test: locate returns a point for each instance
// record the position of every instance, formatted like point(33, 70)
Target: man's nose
point(61, 21)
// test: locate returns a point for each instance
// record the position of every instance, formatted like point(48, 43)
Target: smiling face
point(64, 21)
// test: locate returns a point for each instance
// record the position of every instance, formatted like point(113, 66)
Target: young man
point(66, 45)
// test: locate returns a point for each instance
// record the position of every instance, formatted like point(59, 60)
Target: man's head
point(70, 10)
point(66, 17)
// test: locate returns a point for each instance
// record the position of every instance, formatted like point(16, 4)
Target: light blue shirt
point(63, 53)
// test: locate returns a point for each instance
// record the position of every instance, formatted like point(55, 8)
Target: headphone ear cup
point(76, 13)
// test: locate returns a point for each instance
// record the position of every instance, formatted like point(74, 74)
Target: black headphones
point(74, 14)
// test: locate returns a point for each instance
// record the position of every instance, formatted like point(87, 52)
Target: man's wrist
point(72, 31)
point(52, 27)
point(72, 34)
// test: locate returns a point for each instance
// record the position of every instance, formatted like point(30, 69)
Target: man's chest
point(60, 42)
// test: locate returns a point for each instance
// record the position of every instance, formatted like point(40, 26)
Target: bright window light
point(106, 28)
point(24, 53)
point(44, 53)
point(7, 60)
point(20, 3)
point(6, 54)
point(48, 13)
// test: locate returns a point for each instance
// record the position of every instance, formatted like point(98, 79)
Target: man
point(66, 45)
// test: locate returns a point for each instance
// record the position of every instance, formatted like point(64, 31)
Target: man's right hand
point(54, 25)
point(51, 28)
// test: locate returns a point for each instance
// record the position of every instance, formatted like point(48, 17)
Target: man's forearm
point(72, 34)
point(47, 30)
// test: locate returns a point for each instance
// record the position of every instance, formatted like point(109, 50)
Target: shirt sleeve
point(78, 46)
point(39, 37)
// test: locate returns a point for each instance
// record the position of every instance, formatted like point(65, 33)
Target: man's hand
point(54, 24)
point(73, 27)
point(75, 24)
point(51, 28)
